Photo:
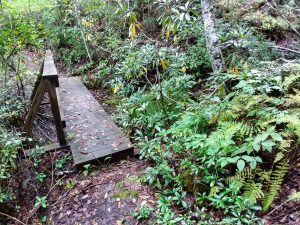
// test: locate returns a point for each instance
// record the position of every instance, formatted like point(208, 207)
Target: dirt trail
point(109, 196)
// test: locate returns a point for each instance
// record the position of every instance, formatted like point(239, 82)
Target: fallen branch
point(286, 49)
point(13, 218)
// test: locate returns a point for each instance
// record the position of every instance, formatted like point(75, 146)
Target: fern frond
point(253, 192)
point(292, 121)
point(225, 131)
point(214, 190)
point(247, 173)
point(291, 81)
point(276, 180)
point(264, 175)
point(228, 115)
point(279, 156)
point(293, 100)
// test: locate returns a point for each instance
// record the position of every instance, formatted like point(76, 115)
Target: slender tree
point(82, 31)
point(212, 41)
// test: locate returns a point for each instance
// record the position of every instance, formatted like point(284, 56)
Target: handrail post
point(49, 82)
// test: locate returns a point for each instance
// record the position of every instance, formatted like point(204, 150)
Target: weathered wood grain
point(62, 116)
point(48, 148)
point(55, 111)
point(95, 135)
point(34, 107)
point(49, 70)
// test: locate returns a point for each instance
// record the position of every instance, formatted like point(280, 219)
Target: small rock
point(60, 216)
point(84, 197)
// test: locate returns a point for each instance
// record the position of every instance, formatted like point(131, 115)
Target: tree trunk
point(212, 41)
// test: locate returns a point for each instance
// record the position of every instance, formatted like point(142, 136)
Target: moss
point(130, 179)
point(125, 194)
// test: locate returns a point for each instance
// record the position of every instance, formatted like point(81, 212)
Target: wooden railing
point(47, 82)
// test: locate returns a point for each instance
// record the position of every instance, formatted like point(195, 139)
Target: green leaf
point(181, 16)
point(247, 158)
point(276, 137)
point(252, 113)
point(268, 145)
point(294, 197)
point(256, 147)
point(264, 136)
point(240, 150)
point(224, 163)
point(241, 165)
point(258, 159)
point(253, 164)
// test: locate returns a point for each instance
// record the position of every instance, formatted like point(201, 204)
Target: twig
point(277, 207)
point(286, 49)
point(13, 218)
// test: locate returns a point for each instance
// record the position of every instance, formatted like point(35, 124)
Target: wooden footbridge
point(94, 136)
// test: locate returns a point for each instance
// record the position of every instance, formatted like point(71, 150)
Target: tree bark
point(212, 41)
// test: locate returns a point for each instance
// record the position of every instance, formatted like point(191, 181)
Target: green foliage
point(60, 163)
point(267, 16)
point(9, 146)
point(143, 213)
point(87, 169)
point(41, 201)
point(40, 177)
point(36, 155)
point(215, 143)
point(227, 134)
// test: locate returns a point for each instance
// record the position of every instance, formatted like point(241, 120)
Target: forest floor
point(109, 193)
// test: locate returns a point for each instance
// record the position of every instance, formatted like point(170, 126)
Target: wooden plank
point(34, 107)
point(95, 134)
point(55, 111)
point(62, 116)
point(48, 148)
point(50, 71)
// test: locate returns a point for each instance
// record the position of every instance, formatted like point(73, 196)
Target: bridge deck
point(92, 133)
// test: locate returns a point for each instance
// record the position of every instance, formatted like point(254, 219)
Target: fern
point(253, 191)
point(291, 81)
point(293, 100)
point(279, 156)
point(276, 180)
point(225, 131)
point(214, 190)
point(247, 173)
point(292, 121)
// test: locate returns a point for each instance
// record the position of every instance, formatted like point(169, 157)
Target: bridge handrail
point(49, 68)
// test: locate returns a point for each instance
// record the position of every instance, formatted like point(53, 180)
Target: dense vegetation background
point(220, 143)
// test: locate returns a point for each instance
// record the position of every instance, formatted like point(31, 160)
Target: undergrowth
point(220, 145)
